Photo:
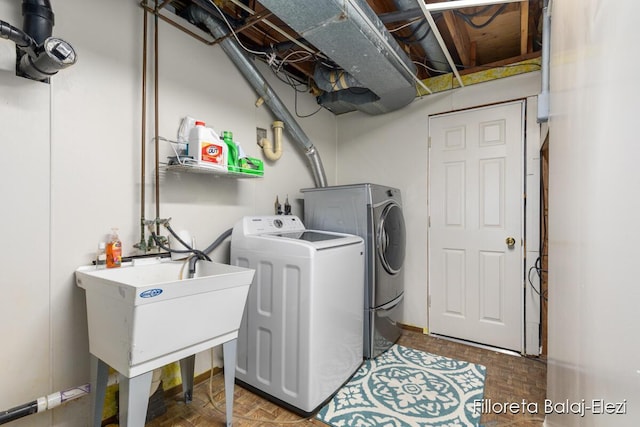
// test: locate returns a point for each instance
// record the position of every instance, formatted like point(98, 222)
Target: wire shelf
point(194, 168)
point(187, 164)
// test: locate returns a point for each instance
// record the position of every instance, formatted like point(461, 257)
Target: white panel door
point(476, 207)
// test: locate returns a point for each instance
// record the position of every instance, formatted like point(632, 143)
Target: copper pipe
point(163, 4)
point(157, 130)
point(255, 20)
point(143, 142)
point(252, 22)
point(178, 26)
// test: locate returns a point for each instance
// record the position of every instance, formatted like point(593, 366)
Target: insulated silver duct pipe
point(262, 87)
point(351, 35)
point(426, 37)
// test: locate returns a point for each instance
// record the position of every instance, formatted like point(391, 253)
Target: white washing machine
point(300, 338)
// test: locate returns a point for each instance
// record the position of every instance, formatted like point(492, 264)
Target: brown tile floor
point(509, 379)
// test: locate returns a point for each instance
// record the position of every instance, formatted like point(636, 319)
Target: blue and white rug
point(407, 387)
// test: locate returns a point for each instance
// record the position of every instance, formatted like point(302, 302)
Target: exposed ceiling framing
point(498, 33)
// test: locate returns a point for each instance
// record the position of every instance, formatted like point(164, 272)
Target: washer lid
point(316, 239)
point(310, 236)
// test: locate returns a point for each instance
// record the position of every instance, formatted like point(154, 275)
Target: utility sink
point(146, 315)
point(142, 317)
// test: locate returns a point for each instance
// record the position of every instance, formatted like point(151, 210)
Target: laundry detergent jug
point(206, 148)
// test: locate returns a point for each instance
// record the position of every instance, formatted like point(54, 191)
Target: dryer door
point(390, 252)
point(391, 238)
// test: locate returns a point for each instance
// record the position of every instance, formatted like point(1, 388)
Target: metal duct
point(426, 37)
point(350, 33)
point(262, 87)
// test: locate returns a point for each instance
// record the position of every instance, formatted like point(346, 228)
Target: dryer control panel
point(272, 224)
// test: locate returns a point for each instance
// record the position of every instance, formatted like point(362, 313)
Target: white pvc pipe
point(60, 397)
point(44, 403)
point(273, 151)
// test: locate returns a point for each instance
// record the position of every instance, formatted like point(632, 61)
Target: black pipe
point(208, 250)
point(38, 19)
point(16, 35)
point(199, 254)
point(18, 412)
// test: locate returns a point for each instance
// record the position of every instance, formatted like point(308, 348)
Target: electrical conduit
point(543, 97)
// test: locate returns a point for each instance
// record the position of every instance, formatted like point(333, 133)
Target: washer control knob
point(277, 223)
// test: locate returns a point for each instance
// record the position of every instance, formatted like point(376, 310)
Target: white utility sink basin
point(144, 316)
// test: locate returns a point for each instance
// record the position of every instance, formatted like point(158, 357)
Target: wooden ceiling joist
point(460, 36)
point(524, 27)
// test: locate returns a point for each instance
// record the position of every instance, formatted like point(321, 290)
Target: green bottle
point(232, 157)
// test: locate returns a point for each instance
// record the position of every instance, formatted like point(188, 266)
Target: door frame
point(530, 208)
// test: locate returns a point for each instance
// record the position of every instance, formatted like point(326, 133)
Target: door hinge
point(429, 221)
point(429, 143)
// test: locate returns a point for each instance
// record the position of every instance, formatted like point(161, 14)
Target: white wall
point(25, 313)
point(593, 210)
point(71, 171)
point(392, 150)
point(70, 168)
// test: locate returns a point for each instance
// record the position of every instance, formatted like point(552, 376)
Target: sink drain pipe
point(44, 403)
point(262, 87)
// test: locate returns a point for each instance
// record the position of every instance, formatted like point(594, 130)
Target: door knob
point(510, 241)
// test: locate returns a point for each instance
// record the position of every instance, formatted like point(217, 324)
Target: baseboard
point(479, 345)
point(412, 328)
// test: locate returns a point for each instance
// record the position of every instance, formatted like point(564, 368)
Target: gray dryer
point(373, 212)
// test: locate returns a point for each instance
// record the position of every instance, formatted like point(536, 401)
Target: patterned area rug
point(407, 387)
